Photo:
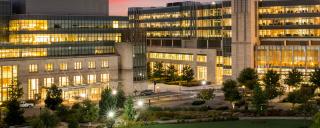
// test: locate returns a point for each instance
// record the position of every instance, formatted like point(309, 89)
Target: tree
point(53, 98)
point(73, 123)
point(301, 96)
point(293, 79)
point(271, 81)
point(315, 78)
point(89, 112)
point(45, 120)
point(248, 77)
point(259, 99)
point(171, 72)
point(16, 91)
point(120, 97)
point(158, 70)
point(107, 102)
point(14, 114)
point(206, 94)
point(187, 74)
point(316, 121)
point(231, 92)
point(293, 98)
point(129, 111)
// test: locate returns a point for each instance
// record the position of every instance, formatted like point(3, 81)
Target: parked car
point(24, 104)
point(146, 93)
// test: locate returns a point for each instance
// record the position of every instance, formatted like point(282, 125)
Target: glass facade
point(291, 20)
point(289, 33)
point(284, 58)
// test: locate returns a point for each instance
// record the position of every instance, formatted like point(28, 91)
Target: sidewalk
point(161, 87)
point(274, 118)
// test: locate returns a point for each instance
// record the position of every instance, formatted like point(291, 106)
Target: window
point(105, 78)
point(201, 73)
point(91, 64)
point(48, 82)
point(63, 66)
point(105, 64)
point(49, 67)
point(201, 58)
point(63, 81)
point(92, 79)
point(77, 66)
point(33, 88)
point(33, 68)
point(77, 80)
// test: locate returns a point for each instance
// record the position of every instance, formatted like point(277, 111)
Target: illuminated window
point(115, 24)
point(63, 66)
point(171, 56)
point(201, 58)
point(92, 79)
point(201, 73)
point(77, 80)
point(33, 88)
point(49, 67)
point(105, 64)
point(48, 82)
point(33, 68)
point(28, 25)
point(63, 81)
point(91, 64)
point(77, 66)
point(105, 78)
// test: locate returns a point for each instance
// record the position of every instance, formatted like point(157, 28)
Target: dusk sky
point(120, 7)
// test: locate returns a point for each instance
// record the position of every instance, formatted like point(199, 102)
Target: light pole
point(154, 86)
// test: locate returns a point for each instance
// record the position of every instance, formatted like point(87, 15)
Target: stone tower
point(244, 33)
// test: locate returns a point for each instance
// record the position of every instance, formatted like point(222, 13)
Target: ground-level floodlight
point(140, 103)
point(114, 92)
point(111, 114)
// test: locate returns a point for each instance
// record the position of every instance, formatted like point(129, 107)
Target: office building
point(76, 49)
point(221, 38)
point(188, 33)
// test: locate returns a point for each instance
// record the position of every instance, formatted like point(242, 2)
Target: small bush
point(222, 108)
point(198, 102)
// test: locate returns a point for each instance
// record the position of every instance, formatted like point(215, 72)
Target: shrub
point(45, 120)
point(198, 102)
point(62, 112)
point(222, 108)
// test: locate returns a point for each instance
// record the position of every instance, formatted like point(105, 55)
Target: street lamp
point(203, 82)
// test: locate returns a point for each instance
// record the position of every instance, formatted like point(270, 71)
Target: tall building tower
point(5, 7)
point(243, 35)
point(62, 7)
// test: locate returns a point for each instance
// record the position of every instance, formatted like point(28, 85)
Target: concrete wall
point(243, 35)
point(67, 7)
point(125, 50)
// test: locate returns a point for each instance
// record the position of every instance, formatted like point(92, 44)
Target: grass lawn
point(239, 124)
